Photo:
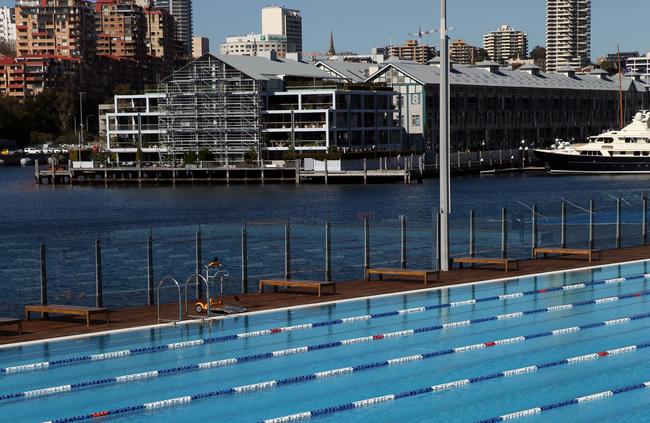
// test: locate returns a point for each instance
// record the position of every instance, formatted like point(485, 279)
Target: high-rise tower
point(181, 10)
point(568, 33)
point(279, 20)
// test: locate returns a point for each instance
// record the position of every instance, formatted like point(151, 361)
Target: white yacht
point(624, 151)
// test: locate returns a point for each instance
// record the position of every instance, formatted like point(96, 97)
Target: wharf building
point(495, 107)
point(7, 26)
point(412, 50)
point(505, 43)
point(237, 105)
point(568, 34)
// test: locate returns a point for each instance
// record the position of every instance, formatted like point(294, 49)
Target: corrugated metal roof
point(506, 77)
point(261, 68)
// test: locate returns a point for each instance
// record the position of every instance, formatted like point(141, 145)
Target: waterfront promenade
point(142, 316)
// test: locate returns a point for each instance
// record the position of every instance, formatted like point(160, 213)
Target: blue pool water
point(471, 402)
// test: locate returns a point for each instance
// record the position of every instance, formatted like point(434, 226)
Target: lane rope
point(244, 389)
point(220, 339)
point(304, 349)
point(136, 377)
point(562, 404)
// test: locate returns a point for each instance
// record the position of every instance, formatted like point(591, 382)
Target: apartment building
point(7, 25)
point(200, 46)
point(640, 65)
point(568, 34)
point(161, 35)
point(55, 28)
point(120, 28)
point(412, 50)
point(287, 22)
point(234, 104)
point(505, 43)
point(461, 52)
point(255, 45)
point(181, 10)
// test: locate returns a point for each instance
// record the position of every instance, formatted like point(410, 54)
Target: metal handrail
point(180, 305)
point(196, 277)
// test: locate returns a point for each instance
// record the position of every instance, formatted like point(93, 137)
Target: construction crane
point(421, 34)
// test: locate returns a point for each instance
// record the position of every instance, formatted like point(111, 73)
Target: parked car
point(32, 150)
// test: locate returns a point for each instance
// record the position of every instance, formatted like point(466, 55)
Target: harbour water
point(68, 219)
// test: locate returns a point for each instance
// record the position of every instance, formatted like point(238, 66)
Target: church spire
point(332, 50)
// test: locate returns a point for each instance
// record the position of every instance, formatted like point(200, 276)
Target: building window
point(415, 120)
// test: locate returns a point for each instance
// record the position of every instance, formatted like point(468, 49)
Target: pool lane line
point(136, 377)
point(220, 339)
point(263, 386)
point(561, 404)
point(305, 415)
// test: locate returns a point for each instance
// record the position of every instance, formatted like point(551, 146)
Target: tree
point(189, 158)
point(251, 155)
point(609, 67)
point(538, 54)
point(205, 155)
point(7, 48)
point(481, 55)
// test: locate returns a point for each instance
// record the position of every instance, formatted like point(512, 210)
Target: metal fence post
point(150, 300)
point(99, 289)
point(644, 224)
point(563, 225)
point(472, 240)
point(618, 222)
point(43, 262)
point(366, 246)
point(592, 213)
point(504, 233)
point(287, 251)
point(197, 249)
point(437, 256)
point(533, 235)
point(402, 225)
point(244, 260)
point(328, 252)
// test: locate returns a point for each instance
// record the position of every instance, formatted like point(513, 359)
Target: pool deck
point(142, 316)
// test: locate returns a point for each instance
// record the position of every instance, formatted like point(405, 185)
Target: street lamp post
point(81, 123)
point(445, 197)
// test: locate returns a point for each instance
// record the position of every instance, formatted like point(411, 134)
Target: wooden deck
point(140, 316)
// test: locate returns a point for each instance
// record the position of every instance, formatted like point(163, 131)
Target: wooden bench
point(566, 251)
point(317, 285)
point(421, 273)
point(86, 312)
point(506, 263)
point(7, 321)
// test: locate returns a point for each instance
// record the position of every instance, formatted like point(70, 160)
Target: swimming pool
point(537, 347)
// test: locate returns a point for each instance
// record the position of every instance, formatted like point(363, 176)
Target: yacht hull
point(573, 163)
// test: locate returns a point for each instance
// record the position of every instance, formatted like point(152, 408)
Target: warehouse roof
point(261, 68)
point(506, 77)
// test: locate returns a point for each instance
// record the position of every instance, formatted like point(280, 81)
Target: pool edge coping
point(299, 307)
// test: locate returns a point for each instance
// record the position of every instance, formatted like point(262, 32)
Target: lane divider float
point(220, 339)
point(174, 402)
point(136, 377)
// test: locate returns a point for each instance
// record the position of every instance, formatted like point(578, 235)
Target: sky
point(359, 25)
